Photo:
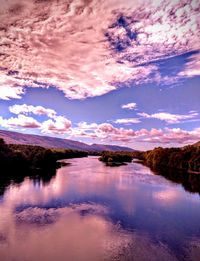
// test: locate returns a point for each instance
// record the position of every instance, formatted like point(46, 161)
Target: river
point(88, 211)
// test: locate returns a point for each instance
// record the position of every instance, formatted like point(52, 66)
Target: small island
point(114, 159)
point(185, 159)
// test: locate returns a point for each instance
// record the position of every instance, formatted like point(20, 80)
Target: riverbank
point(87, 204)
point(18, 159)
point(185, 159)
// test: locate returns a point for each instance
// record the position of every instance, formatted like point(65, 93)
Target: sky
point(122, 72)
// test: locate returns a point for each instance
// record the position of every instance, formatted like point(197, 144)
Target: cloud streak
point(127, 121)
point(170, 118)
point(129, 106)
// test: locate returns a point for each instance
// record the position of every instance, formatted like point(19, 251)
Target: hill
point(11, 137)
point(197, 144)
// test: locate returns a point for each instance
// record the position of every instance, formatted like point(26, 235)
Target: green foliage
point(113, 157)
point(68, 153)
point(186, 158)
point(7, 157)
point(27, 156)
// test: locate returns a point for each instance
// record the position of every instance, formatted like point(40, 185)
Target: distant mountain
point(12, 137)
point(101, 147)
point(197, 144)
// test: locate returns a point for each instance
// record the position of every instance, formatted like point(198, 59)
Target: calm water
point(88, 211)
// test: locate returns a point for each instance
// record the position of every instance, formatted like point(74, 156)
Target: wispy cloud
point(129, 106)
point(86, 48)
point(85, 126)
point(170, 118)
point(192, 67)
point(127, 121)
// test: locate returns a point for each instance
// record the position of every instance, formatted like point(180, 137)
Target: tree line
point(186, 158)
point(175, 164)
point(32, 157)
point(115, 158)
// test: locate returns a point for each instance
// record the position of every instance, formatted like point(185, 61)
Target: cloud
point(27, 109)
point(11, 86)
point(87, 48)
point(55, 125)
point(85, 126)
point(192, 67)
point(9, 92)
point(127, 121)
point(104, 132)
point(59, 125)
point(171, 136)
point(108, 133)
point(129, 106)
point(21, 121)
point(169, 117)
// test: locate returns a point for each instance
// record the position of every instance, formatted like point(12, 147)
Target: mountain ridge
point(197, 144)
point(12, 137)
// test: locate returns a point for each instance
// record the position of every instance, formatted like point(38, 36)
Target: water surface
point(88, 211)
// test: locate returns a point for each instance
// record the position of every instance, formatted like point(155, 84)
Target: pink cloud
point(129, 106)
point(192, 68)
point(127, 121)
point(21, 121)
point(169, 136)
point(63, 43)
point(10, 92)
point(55, 125)
point(58, 125)
point(85, 126)
point(27, 109)
point(170, 117)
point(107, 132)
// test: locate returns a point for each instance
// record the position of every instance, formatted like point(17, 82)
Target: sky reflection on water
point(92, 212)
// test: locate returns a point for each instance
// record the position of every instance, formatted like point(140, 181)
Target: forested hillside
point(27, 156)
point(186, 158)
point(11, 137)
